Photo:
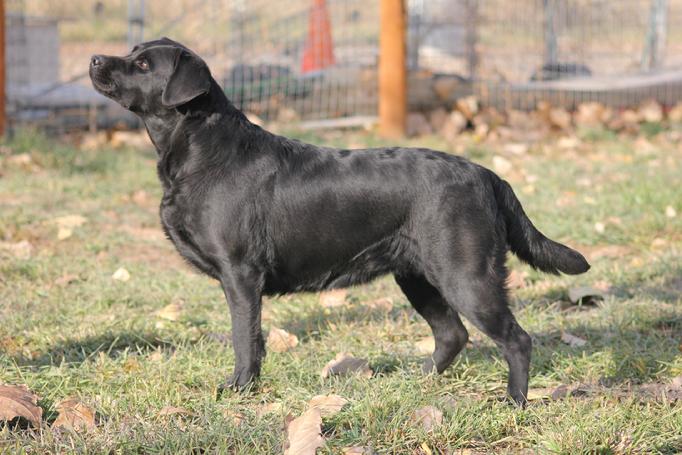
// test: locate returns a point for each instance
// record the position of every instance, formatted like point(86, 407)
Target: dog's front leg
point(243, 289)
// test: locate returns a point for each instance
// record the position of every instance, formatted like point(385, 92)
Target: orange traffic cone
point(319, 48)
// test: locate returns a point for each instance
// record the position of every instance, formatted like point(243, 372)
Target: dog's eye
point(142, 64)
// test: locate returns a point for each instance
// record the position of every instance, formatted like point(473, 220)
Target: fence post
point(3, 119)
point(392, 69)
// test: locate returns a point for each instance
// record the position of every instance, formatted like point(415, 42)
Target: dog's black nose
point(96, 60)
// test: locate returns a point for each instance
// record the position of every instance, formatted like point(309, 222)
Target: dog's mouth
point(103, 85)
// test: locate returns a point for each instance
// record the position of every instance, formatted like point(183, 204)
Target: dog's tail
point(529, 244)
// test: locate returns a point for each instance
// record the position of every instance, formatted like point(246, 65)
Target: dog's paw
point(429, 367)
point(241, 380)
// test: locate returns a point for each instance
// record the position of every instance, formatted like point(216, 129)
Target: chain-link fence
point(317, 59)
point(561, 51)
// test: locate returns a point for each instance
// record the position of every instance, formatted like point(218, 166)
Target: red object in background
point(319, 48)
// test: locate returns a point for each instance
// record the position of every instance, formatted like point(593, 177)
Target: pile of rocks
point(468, 114)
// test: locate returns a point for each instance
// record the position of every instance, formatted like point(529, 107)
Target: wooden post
point(3, 119)
point(393, 69)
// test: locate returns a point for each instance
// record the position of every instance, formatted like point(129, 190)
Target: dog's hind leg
point(448, 331)
point(483, 301)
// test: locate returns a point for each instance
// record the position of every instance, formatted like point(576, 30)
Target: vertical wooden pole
point(3, 119)
point(392, 69)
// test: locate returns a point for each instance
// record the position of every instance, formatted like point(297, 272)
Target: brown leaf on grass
point(19, 401)
point(516, 279)
point(327, 404)
point(572, 340)
point(333, 298)
point(64, 233)
point(140, 197)
point(269, 408)
point(502, 165)
point(131, 365)
point(20, 250)
point(357, 450)
point(344, 363)
point(237, 417)
point(70, 221)
point(560, 392)
point(428, 418)
point(585, 294)
point(121, 274)
point(170, 312)
point(304, 434)
point(539, 394)
point(156, 356)
point(425, 346)
point(280, 340)
point(66, 279)
point(384, 304)
point(173, 410)
point(74, 415)
point(671, 391)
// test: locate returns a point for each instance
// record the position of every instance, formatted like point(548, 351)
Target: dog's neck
point(171, 130)
point(164, 125)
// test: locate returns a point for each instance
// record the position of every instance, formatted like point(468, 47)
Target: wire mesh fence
point(316, 59)
point(561, 51)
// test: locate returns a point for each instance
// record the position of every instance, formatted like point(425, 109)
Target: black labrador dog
point(264, 214)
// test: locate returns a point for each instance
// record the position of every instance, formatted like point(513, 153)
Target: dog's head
point(156, 76)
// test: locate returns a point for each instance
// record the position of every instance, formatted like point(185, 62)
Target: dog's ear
point(190, 79)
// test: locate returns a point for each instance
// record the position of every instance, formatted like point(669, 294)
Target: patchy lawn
point(132, 348)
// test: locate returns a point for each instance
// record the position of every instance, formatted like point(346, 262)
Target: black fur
point(264, 214)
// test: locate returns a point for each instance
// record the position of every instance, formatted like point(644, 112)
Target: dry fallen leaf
point(121, 274)
point(280, 340)
point(237, 417)
point(501, 165)
point(66, 279)
point(19, 401)
point(174, 410)
point(74, 415)
point(427, 418)
point(539, 394)
point(156, 356)
point(131, 364)
point(170, 312)
point(64, 233)
point(572, 340)
point(516, 279)
point(659, 392)
point(70, 221)
point(585, 295)
point(425, 346)
point(345, 363)
point(20, 250)
point(304, 434)
point(357, 450)
point(269, 408)
point(333, 298)
point(327, 404)
point(384, 304)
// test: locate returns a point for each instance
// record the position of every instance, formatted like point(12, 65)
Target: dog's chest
point(185, 231)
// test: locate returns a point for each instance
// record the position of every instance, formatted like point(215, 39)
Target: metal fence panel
point(316, 59)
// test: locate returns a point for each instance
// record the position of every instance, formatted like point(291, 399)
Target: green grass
point(100, 340)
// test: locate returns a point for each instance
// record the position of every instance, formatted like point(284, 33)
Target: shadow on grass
point(110, 344)
point(635, 353)
point(318, 319)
